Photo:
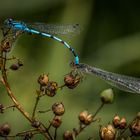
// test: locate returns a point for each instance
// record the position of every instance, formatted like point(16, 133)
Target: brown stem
point(17, 105)
point(6, 107)
point(4, 80)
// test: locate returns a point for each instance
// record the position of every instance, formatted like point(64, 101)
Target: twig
point(6, 107)
point(35, 106)
point(100, 107)
point(4, 80)
point(44, 111)
point(55, 133)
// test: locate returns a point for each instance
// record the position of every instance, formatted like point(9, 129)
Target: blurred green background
point(110, 39)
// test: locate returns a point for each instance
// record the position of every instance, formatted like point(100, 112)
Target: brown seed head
point(85, 117)
point(5, 129)
point(116, 121)
point(51, 88)
point(71, 81)
point(68, 135)
point(43, 79)
point(56, 122)
point(123, 123)
point(108, 132)
point(58, 109)
point(135, 127)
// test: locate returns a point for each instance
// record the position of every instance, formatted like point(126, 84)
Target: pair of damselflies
point(122, 82)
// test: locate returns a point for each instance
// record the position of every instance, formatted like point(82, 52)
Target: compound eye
point(10, 20)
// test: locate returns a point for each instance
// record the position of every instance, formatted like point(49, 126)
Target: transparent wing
point(122, 82)
point(57, 29)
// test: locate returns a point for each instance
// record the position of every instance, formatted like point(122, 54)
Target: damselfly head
point(8, 22)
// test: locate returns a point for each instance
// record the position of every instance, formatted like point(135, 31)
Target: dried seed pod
point(71, 81)
point(135, 127)
point(56, 122)
point(68, 135)
point(107, 133)
point(43, 79)
point(116, 121)
point(123, 123)
point(6, 45)
point(5, 129)
point(51, 88)
point(16, 65)
point(58, 109)
point(85, 117)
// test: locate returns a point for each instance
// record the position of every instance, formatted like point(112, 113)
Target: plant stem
point(55, 134)
point(100, 107)
point(35, 106)
point(4, 80)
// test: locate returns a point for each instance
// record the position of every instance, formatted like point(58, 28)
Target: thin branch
point(100, 107)
point(4, 80)
point(55, 133)
point(35, 106)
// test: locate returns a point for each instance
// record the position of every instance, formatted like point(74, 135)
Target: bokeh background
point(109, 39)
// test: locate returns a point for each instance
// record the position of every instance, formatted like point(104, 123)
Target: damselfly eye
point(9, 20)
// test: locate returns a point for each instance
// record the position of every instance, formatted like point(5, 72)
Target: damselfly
point(122, 82)
point(45, 30)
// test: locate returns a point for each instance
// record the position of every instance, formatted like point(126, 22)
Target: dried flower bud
point(1, 108)
point(135, 127)
point(56, 122)
point(16, 65)
point(107, 96)
point(58, 109)
point(43, 79)
point(108, 132)
point(122, 123)
point(71, 81)
point(68, 135)
point(35, 124)
point(85, 117)
point(51, 88)
point(116, 121)
point(5, 129)
point(6, 45)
